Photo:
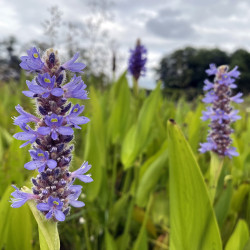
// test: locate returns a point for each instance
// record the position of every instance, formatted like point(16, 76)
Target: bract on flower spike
point(220, 112)
point(53, 188)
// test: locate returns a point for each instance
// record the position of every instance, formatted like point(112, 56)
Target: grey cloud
point(169, 24)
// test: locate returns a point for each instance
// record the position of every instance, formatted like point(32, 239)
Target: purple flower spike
point(40, 161)
point(28, 135)
point(220, 111)
point(71, 65)
point(54, 208)
point(137, 61)
point(79, 173)
point(20, 197)
point(32, 62)
point(75, 88)
point(51, 138)
point(24, 117)
point(73, 118)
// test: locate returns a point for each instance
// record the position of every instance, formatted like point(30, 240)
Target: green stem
point(86, 235)
point(215, 171)
point(135, 87)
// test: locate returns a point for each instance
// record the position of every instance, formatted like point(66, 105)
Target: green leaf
point(120, 110)
point(192, 220)
point(20, 229)
point(239, 196)
point(139, 132)
point(194, 125)
point(4, 214)
point(222, 206)
point(151, 176)
point(95, 150)
point(48, 233)
point(239, 238)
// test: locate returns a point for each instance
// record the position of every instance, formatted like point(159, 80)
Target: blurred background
point(127, 205)
point(179, 36)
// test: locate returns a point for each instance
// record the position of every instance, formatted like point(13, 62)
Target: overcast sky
point(162, 25)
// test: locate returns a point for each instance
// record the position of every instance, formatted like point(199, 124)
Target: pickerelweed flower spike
point(53, 188)
point(220, 111)
point(137, 61)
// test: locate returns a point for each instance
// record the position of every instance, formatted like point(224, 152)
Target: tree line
point(185, 68)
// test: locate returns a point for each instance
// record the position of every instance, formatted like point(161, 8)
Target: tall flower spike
point(137, 61)
point(220, 111)
point(53, 188)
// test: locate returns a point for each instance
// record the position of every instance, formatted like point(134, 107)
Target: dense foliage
point(150, 182)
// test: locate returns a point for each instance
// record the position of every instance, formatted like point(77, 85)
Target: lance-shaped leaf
point(192, 220)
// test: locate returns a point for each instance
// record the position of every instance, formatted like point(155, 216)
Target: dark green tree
point(185, 68)
point(242, 58)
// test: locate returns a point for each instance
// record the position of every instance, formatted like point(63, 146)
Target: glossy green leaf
point(239, 238)
point(192, 220)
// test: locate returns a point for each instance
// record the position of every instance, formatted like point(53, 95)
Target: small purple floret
point(74, 119)
point(79, 173)
point(55, 127)
point(40, 161)
point(73, 197)
point(24, 117)
point(32, 62)
point(75, 88)
point(53, 207)
point(71, 65)
point(28, 135)
point(20, 198)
